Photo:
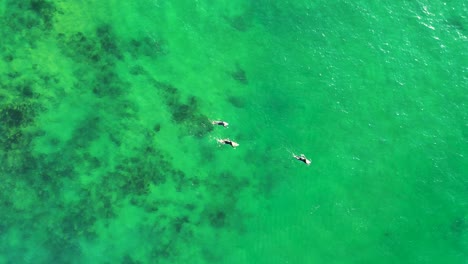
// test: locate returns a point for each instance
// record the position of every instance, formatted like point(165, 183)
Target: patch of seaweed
point(78, 221)
point(240, 22)
point(239, 75)
point(217, 218)
point(79, 47)
point(186, 114)
point(86, 132)
point(61, 247)
point(108, 83)
point(456, 23)
point(226, 186)
point(206, 153)
point(127, 259)
point(13, 118)
point(458, 226)
point(137, 174)
point(151, 169)
point(100, 51)
point(179, 223)
point(23, 15)
point(108, 41)
point(44, 10)
point(167, 89)
point(137, 70)
point(26, 90)
point(8, 57)
point(132, 177)
point(236, 101)
point(47, 171)
point(147, 46)
point(225, 190)
point(47, 174)
point(157, 128)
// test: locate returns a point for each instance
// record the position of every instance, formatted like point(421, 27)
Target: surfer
point(220, 123)
point(228, 142)
point(302, 158)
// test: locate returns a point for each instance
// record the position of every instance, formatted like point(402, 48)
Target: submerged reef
point(147, 46)
point(241, 22)
point(13, 118)
point(67, 176)
point(100, 52)
point(240, 75)
point(185, 114)
point(24, 23)
point(29, 14)
point(236, 101)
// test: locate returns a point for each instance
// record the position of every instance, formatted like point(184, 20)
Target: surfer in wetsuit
point(228, 142)
point(302, 158)
point(220, 123)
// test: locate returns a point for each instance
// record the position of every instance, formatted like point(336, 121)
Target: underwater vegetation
point(84, 166)
point(43, 194)
point(147, 46)
point(24, 23)
point(13, 118)
point(236, 101)
point(240, 75)
point(23, 15)
point(100, 52)
point(185, 114)
point(241, 22)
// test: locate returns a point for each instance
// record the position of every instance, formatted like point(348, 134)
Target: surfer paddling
point(220, 123)
point(302, 158)
point(228, 142)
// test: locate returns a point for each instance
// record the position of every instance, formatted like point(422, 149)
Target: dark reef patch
point(207, 154)
point(100, 51)
point(44, 10)
point(458, 226)
point(186, 114)
point(236, 101)
point(179, 223)
point(13, 119)
point(29, 20)
point(135, 175)
point(8, 57)
point(137, 70)
point(240, 22)
point(108, 83)
point(61, 247)
point(157, 128)
point(456, 23)
point(86, 131)
point(79, 47)
point(239, 75)
point(129, 260)
point(217, 218)
point(70, 185)
point(225, 190)
point(147, 46)
point(26, 90)
point(108, 41)
point(227, 186)
point(78, 221)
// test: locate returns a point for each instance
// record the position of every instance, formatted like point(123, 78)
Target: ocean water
point(107, 153)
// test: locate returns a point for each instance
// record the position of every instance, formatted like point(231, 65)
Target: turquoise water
point(108, 154)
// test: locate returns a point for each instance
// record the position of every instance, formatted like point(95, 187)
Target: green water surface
point(107, 153)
